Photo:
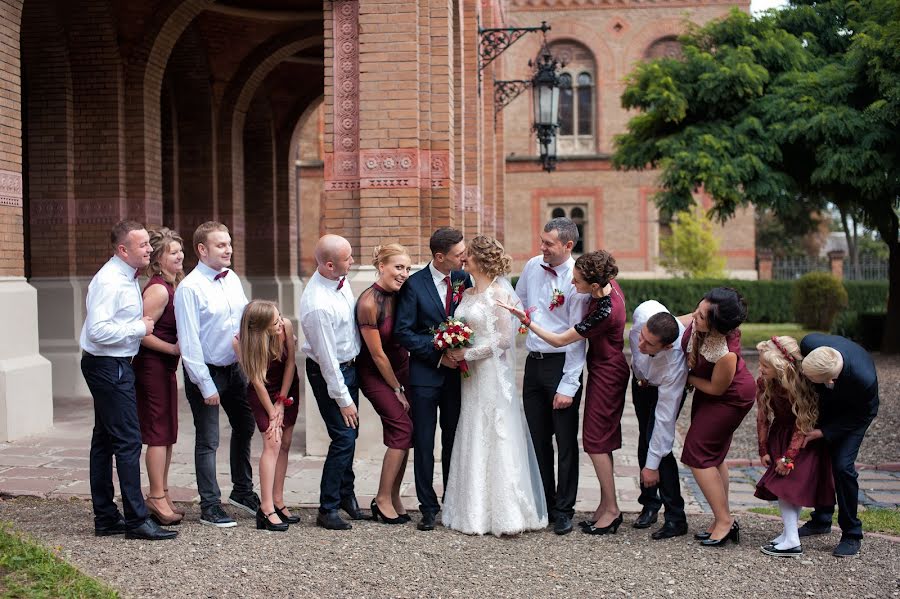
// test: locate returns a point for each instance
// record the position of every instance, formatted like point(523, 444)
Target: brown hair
point(490, 256)
point(258, 345)
point(782, 354)
point(383, 253)
point(121, 230)
point(161, 240)
point(203, 231)
point(597, 267)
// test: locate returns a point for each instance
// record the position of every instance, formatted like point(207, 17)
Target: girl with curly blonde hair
point(787, 410)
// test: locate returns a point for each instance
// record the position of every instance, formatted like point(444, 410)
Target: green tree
point(787, 111)
point(692, 250)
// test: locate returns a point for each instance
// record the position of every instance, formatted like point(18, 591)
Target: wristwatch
point(400, 389)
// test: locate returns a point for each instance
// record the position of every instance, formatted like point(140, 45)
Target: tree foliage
point(692, 249)
point(786, 111)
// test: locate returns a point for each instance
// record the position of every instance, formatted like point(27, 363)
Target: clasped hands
point(276, 420)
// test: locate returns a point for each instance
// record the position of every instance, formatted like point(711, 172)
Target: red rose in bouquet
point(454, 333)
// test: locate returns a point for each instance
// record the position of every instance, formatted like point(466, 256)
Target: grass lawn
point(28, 570)
point(873, 520)
point(753, 333)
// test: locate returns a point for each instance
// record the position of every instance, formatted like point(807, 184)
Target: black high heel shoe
point(376, 513)
point(284, 517)
point(405, 517)
point(701, 536)
point(263, 522)
point(612, 528)
point(733, 535)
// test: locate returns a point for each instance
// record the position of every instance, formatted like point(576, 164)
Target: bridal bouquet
point(454, 333)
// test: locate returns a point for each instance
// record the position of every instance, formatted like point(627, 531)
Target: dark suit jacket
point(854, 400)
point(419, 309)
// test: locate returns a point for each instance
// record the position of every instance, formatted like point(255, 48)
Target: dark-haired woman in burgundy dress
point(724, 392)
point(154, 371)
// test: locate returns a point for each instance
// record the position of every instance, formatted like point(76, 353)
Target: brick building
point(285, 119)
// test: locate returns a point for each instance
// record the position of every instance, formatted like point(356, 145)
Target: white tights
point(790, 516)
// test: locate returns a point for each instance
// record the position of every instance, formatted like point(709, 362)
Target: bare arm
point(155, 300)
point(291, 366)
point(686, 319)
point(555, 339)
point(723, 374)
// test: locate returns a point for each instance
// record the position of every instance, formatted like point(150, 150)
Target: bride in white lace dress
point(494, 484)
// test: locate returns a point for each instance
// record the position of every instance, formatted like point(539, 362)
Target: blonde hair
point(782, 354)
point(823, 361)
point(490, 256)
point(258, 344)
point(201, 234)
point(383, 253)
point(161, 240)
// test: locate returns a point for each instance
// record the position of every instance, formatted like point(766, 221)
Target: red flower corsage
point(557, 300)
point(287, 401)
point(787, 463)
point(457, 292)
point(523, 328)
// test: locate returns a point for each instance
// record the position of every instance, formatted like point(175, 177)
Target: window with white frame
point(577, 213)
point(577, 99)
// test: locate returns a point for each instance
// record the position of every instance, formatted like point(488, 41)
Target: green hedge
point(768, 301)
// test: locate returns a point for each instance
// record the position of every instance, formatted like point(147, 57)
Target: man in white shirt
point(209, 304)
point(657, 390)
point(328, 320)
point(551, 390)
point(110, 338)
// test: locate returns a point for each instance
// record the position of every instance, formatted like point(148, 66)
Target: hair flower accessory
point(557, 300)
point(784, 352)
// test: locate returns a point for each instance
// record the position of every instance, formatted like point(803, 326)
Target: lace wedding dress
point(494, 484)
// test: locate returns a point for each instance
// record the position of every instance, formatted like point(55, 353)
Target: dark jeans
point(337, 472)
point(424, 403)
point(116, 433)
point(843, 465)
point(668, 491)
point(232, 388)
point(542, 377)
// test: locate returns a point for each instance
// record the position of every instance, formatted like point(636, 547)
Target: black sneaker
point(775, 552)
point(216, 516)
point(562, 525)
point(249, 502)
point(847, 548)
point(809, 529)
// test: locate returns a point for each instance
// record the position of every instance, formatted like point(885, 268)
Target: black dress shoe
point(119, 528)
point(349, 505)
point(285, 518)
point(332, 521)
point(848, 547)
point(646, 519)
point(669, 530)
point(562, 525)
point(809, 530)
point(427, 521)
point(150, 531)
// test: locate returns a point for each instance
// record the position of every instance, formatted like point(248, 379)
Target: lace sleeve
point(367, 310)
point(794, 446)
point(762, 421)
point(599, 312)
point(499, 330)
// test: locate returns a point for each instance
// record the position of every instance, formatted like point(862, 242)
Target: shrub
point(692, 249)
point(817, 300)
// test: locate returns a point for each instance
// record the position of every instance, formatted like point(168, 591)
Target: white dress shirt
point(666, 370)
point(115, 307)
point(439, 284)
point(208, 316)
point(328, 320)
point(535, 288)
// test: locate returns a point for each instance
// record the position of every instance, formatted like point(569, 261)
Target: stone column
point(764, 265)
point(836, 261)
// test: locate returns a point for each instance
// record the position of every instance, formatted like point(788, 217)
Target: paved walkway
point(56, 465)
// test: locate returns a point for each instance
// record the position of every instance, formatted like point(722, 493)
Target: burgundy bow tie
point(341, 283)
point(221, 275)
point(137, 272)
point(548, 269)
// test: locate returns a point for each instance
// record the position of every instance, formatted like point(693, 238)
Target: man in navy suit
point(426, 299)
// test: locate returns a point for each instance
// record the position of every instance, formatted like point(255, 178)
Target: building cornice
point(543, 5)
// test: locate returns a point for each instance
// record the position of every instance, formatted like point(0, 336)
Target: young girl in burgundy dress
point(787, 409)
point(266, 350)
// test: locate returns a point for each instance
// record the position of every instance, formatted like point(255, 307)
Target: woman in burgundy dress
point(604, 328)
point(724, 391)
point(154, 371)
point(787, 410)
point(383, 368)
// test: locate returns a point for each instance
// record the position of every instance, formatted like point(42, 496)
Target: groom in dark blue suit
point(426, 299)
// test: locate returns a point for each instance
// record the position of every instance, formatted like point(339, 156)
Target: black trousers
point(542, 377)
point(116, 433)
point(425, 403)
point(668, 491)
point(843, 451)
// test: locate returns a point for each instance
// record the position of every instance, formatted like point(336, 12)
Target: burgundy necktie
point(449, 294)
point(548, 269)
point(341, 283)
point(137, 272)
point(221, 275)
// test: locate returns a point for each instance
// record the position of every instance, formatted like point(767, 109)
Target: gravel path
point(882, 442)
point(375, 560)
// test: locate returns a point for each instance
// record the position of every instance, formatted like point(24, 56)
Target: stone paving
point(55, 464)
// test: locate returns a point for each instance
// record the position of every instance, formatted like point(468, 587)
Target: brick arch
point(303, 206)
point(567, 29)
point(49, 143)
point(145, 70)
point(645, 37)
point(232, 115)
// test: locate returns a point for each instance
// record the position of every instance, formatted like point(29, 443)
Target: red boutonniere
point(523, 330)
point(557, 300)
point(457, 292)
point(287, 401)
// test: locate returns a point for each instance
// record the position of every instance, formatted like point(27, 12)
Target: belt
point(348, 364)
point(545, 355)
point(86, 354)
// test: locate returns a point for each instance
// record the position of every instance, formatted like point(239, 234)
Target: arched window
point(577, 99)
point(664, 47)
point(577, 213)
